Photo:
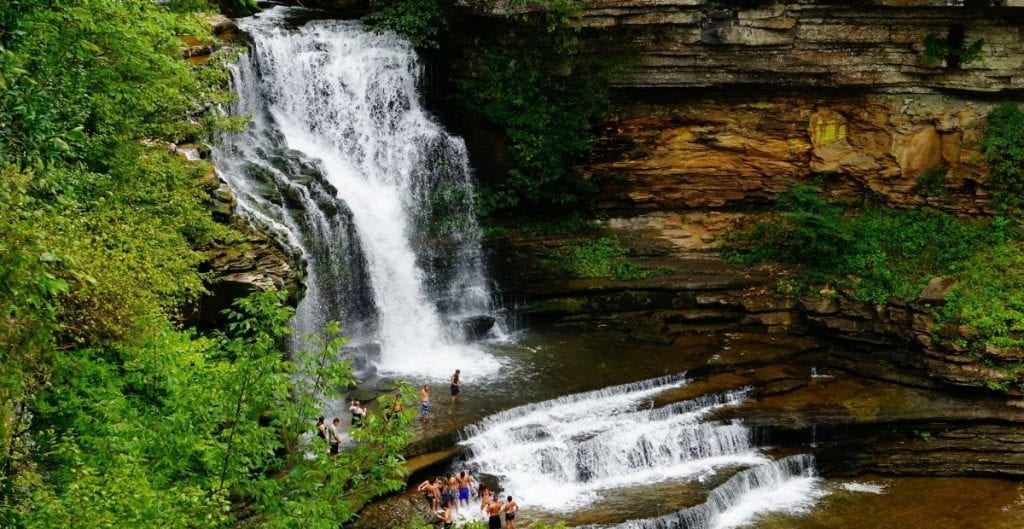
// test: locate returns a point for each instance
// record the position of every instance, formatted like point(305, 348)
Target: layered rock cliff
point(730, 102)
point(726, 102)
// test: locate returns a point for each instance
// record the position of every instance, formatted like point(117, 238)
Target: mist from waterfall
point(342, 163)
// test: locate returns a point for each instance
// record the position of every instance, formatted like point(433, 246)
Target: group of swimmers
point(445, 494)
point(331, 433)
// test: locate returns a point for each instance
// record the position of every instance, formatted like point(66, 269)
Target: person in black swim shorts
point(510, 509)
point(494, 514)
point(456, 385)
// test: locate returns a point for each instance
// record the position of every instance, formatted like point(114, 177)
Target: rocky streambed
point(891, 423)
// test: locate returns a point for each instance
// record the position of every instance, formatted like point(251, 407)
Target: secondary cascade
point(567, 453)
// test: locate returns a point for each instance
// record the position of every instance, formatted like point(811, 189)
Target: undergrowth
point(604, 257)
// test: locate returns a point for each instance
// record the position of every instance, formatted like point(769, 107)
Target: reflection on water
point(541, 366)
point(913, 503)
point(544, 366)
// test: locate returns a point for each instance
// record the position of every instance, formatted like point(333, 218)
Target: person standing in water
point(427, 488)
point(494, 513)
point(510, 513)
point(464, 488)
point(445, 517)
point(321, 429)
point(453, 491)
point(424, 402)
point(456, 385)
point(334, 437)
point(358, 412)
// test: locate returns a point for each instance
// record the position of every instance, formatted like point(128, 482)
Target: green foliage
point(1003, 147)
point(879, 253)
point(111, 416)
point(602, 257)
point(931, 181)
point(989, 295)
point(420, 21)
point(182, 431)
point(937, 50)
point(544, 96)
point(571, 223)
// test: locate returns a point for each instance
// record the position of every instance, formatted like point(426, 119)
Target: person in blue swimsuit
point(424, 402)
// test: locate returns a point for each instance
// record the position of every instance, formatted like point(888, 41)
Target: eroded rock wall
point(707, 151)
point(726, 103)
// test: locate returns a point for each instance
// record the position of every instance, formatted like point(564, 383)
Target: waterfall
point(342, 164)
point(563, 454)
point(786, 485)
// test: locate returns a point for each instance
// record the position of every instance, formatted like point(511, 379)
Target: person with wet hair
point(453, 491)
point(427, 488)
point(494, 513)
point(456, 385)
point(321, 429)
point(485, 499)
point(464, 488)
point(424, 402)
point(510, 509)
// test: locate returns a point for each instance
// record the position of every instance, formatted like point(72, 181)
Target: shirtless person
point(485, 499)
point(428, 490)
point(494, 514)
point(424, 402)
point(456, 385)
point(445, 517)
point(453, 491)
point(464, 488)
point(510, 509)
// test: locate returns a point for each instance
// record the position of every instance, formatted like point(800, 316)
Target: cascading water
point(563, 454)
point(342, 163)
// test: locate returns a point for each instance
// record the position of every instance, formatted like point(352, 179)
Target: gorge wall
point(726, 105)
point(725, 102)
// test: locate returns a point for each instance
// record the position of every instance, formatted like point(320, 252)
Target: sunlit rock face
point(729, 151)
point(725, 103)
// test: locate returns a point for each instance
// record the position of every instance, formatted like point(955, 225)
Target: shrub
point(879, 253)
point(602, 257)
point(422, 22)
point(1003, 147)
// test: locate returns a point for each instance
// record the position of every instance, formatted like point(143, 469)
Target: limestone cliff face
point(876, 44)
point(728, 151)
point(730, 101)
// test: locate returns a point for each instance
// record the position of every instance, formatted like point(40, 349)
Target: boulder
point(937, 290)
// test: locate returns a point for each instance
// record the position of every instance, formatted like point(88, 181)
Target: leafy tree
point(111, 415)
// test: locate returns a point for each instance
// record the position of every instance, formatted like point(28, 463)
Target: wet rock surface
point(897, 397)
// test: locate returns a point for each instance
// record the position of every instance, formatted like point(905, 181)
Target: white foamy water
point(562, 454)
point(342, 163)
point(786, 486)
point(858, 486)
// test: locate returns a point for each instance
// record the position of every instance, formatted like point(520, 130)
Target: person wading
point(464, 488)
point(358, 412)
point(424, 402)
point(334, 437)
point(510, 513)
point(456, 385)
point(445, 517)
point(321, 429)
point(494, 514)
